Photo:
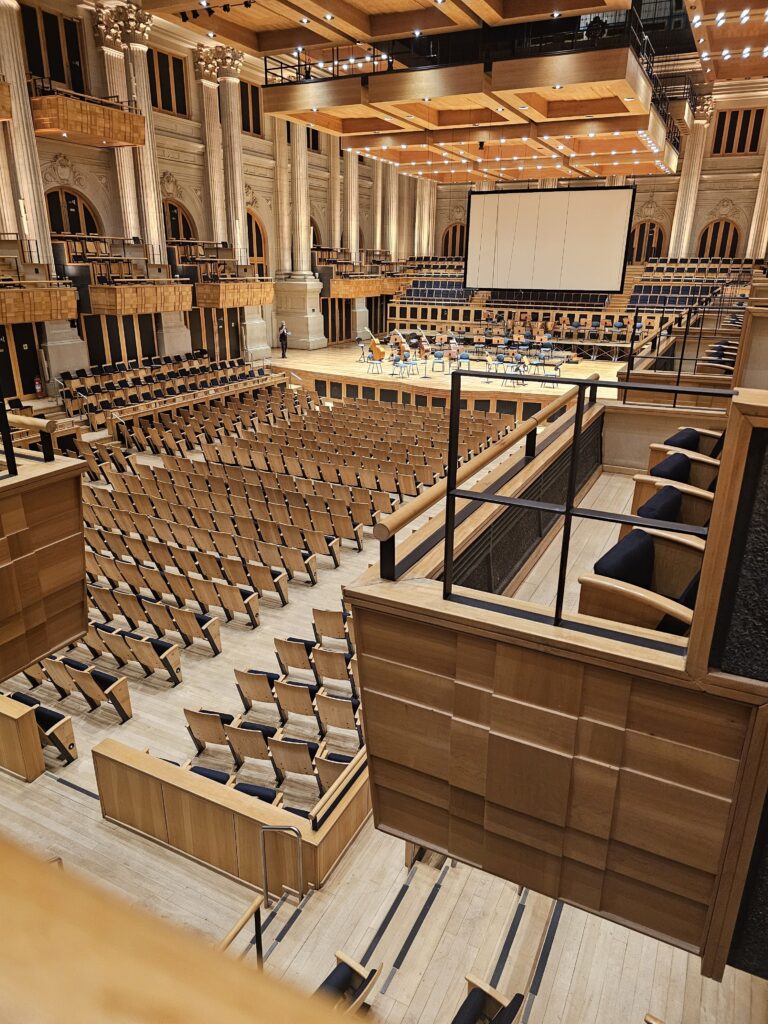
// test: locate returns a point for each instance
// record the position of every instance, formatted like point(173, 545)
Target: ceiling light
point(745, 52)
point(328, 17)
point(304, 21)
point(211, 35)
point(321, 64)
point(555, 14)
point(557, 86)
point(720, 18)
point(523, 106)
point(417, 32)
point(426, 99)
point(499, 110)
point(64, 135)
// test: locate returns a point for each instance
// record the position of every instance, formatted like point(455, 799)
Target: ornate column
point(26, 180)
point(431, 218)
point(109, 38)
point(378, 181)
point(390, 215)
point(229, 62)
point(351, 233)
point(283, 198)
point(757, 241)
point(613, 180)
point(207, 84)
point(421, 219)
point(405, 214)
point(22, 199)
point(334, 186)
point(298, 296)
point(688, 188)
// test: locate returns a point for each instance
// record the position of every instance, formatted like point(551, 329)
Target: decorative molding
point(229, 62)
point(704, 109)
point(61, 171)
point(457, 213)
point(170, 186)
point(651, 210)
point(206, 63)
point(107, 27)
point(135, 24)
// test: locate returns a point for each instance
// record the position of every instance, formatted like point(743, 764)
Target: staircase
point(618, 303)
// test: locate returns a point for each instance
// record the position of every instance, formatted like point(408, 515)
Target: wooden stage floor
point(341, 362)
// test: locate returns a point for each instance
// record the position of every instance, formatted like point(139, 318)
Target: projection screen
point(556, 239)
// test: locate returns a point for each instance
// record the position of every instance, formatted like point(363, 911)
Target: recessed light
point(64, 135)
point(555, 14)
point(328, 17)
point(557, 86)
point(417, 32)
point(426, 99)
point(211, 35)
point(305, 21)
point(314, 110)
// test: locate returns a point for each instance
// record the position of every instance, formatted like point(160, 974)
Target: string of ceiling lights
point(210, 10)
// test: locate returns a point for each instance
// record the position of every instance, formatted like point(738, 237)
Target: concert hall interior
point(383, 497)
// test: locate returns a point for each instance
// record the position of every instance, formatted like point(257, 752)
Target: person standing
point(283, 338)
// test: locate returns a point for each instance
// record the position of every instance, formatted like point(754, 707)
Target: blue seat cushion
point(471, 1010)
point(209, 773)
point(669, 624)
point(665, 505)
point(311, 747)
point(271, 676)
point(102, 679)
point(226, 719)
point(73, 663)
point(339, 758)
point(341, 978)
point(265, 730)
point(26, 698)
point(508, 1014)
point(674, 467)
point(687, 438)
point(203, 620)
point(631, 560)
point(262, 792)
point(46, 718)
point(276, 573)
point(297, 810)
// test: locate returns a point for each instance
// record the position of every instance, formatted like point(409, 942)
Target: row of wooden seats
point(71, 675)
point(166, 580)
point(650, 577)
point(54, 729)
point(205, 509)
point(279, 456)
point(124, 646)
point(228, 536)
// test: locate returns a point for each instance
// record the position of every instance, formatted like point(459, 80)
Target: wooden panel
point(365, 287)
point(127, 299)
point(197, 825)
point(229, 294)
point(131, 797)
point(5, 101)
point(42, 561)
point(20, 748)
point(92, 124)
point(31, 305)
point(610, 786)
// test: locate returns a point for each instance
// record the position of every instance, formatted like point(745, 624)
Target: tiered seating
point(69, 674)
point(446, 291)
point(650, 577)
point(93, 390)
point(670, 296)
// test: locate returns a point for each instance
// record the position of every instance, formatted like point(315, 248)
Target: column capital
point(107, 27)
point(704, 109)
point(229, 61)
point(135, 24)
point(206, 63)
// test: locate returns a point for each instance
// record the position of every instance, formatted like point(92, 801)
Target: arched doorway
point(647, 241)
point(179, 226)
point(257, 244)
point(70, 214)
point(719, 239)
point(454, 240)
point(314, 233)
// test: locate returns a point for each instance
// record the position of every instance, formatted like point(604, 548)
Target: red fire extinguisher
point(39, 389)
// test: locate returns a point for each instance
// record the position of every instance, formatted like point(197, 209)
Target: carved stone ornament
point(107, 27)
point(650, 210)
point(726, 209)
point(61, 171)
point(169, 186)
point(135, 23)
point(704, 109)
point(206, 63)
point(229, 61)
point(458, 212)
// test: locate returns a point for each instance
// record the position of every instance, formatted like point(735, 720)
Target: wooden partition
point(220, 827)
point(629, 429)
point(42, 560)
point(21, 752)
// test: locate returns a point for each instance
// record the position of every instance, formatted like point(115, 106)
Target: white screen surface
point(559, 240)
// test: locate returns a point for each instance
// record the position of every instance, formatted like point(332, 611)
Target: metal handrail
point(296, 833)
point(252, 911)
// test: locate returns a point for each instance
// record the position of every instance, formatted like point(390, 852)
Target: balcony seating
point(55, 729)
point(349, 983)
point(484, 1003)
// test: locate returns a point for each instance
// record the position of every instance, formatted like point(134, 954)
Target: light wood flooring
point(428, 925)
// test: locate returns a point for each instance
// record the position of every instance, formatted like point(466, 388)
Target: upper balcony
point(89, 120)
point(26, 293)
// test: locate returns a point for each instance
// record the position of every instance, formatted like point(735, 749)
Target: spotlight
point(247, 3)
point(195, 14)
point(209, 11)
point(226, 8)
point(184, 17)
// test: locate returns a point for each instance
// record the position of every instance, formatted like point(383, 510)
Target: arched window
point(70, 214)
point(257, 244)
point(648, 240)
point(179, 226)
point(454, 239)
point(719, 239)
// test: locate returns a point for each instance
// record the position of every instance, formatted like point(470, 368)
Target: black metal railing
point(11, 455)
point(39, 86)
point(5, 433)
point(567, 510)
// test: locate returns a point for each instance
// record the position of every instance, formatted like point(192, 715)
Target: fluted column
point(206, 67)
point(405, 211)
point(283, 197)
point(421, 220)
point(109, 38)
point(351, 232)
point(757, 242)
point(136, 26)
point(390, 215)
point(431, 215)
point(230, 61)
point(7, 202)
point(26, 179)
point(378, 179)
point(334, 187)
point(688, 188)
point(300, 228)
point(614, 180)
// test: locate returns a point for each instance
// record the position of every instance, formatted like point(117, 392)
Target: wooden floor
point(428, 926)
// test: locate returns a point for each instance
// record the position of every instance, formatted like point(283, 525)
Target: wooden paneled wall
point(608, 786)
point(42, 560)
point(20, 749)
point(229, 294)
point(128, 299)
point(219, 826)
point(89, 123)
point(33, 305)
point(364, 287)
